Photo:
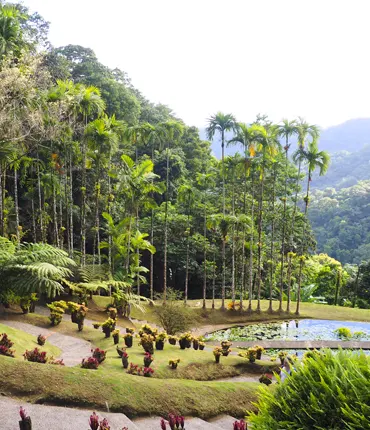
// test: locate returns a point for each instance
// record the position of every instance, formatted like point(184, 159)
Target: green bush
point(343, 333)
point(330, 391)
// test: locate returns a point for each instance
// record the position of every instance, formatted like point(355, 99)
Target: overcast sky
point(285, 58)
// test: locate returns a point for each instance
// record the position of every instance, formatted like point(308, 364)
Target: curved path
point(73, 349)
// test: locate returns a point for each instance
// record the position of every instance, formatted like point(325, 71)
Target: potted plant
point(147, 342)
point(202, 345)
point(260, 350)
point(266, 378)
point(148, 359)
point(148, 371)
point(128, 338)
point(282, 356)
point(73, 307)
point(174, 363)
point(240, 425)
point(57, 310)
point(25, 422)
point(41, 340)
point(217, 352)
point(99, 354)
point(115, 335)
point(195, 343)
point(96, 325)
point(112, 311)
point(108, 326)
point(33, 300)
point(159, 340)
point(124, 359)
point(185, 340)
point(172, 340)
point(130, 330)
point(251, 354)
point(120, 351)
point(90, 363)
point(147, 329)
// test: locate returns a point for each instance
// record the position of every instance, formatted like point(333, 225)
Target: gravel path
point(54, 417)
point(73, 349)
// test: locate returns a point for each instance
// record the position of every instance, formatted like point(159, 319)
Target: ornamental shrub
point(99, 354)
point(90, 363)
point(329, 391)
point(36, 356)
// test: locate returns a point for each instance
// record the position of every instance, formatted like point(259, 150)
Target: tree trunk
point(272, 239)
point(205, 255)
point(303, 247)
point(55, 215)
point(16, 207)
point(151, 281)
point(233, 247)
point(71, 202)
point(66, 197)
point(259, 249)
point(223, 214)
point(34, 230)
point(1, 202)
point(283, 230)
point(356, 286)
point(109, 212)
point(214, 281)
point(40, 199)
point(83, 203)
point(251, 250)
point(166, 227)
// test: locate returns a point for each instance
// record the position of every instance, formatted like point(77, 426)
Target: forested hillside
point(134, 196)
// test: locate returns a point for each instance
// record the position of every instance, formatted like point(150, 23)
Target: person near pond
point(285, 370)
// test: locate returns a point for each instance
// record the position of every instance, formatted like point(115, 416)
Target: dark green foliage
point(329, 391)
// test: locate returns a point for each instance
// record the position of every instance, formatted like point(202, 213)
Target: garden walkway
point(73, 349)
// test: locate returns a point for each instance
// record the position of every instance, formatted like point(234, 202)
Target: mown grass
point(217, 316)
point(132, 395)
point(23, 341)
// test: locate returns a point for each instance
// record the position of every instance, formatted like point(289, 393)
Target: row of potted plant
point(78, 312)
point(135, 369)
point(253, 353)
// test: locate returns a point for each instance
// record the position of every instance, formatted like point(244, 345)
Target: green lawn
point(132, 395)
point(216, 316)
point(23, 341)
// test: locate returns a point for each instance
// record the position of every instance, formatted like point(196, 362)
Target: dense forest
point(137, 200)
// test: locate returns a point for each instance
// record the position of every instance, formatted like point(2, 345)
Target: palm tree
point(186, 196)
point(102, 138)
point(170, 131)
point(303, 131)
point(10, 30)
point(314, 159)
point(267, 144)
point(221, 123)
point(286, 130)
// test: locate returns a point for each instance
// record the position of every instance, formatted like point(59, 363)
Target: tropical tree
point(314, 159)
point(170, 132)
point(222, 123)
point(287, 130)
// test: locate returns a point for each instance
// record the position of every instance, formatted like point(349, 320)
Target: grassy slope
point(216, 317)
point(23, 341)
point(129, 394)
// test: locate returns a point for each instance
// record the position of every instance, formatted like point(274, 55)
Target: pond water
point(293, 330)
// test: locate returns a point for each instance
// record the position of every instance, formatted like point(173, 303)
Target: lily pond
point(294, 330)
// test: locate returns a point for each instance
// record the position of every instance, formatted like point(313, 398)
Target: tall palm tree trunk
point(187, 259)
point(110, 264)
point(272, 239)
point(40, 199)
point(282, 259)
point(233, 246)
point(33, 215)
point(251, 250)
point(301, 263)
point(223, 214)
point(55, 215)
point(214, 280)
point(289, 278)
point(151, 276)
point(205, 254)
point(1, 202)
point(166, 228)
point(16, 207)
point(71, 202)
point(259, 248)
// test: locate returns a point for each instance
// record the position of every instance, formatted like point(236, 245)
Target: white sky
point(285, 58)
